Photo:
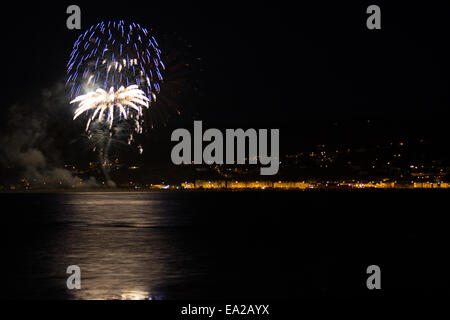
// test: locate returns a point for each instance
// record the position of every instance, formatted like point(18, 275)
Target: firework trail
point(114, 71)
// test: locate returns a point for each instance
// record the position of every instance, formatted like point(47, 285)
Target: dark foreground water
point(261, 245)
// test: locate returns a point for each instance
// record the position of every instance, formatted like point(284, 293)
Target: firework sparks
point(119, 68)
point(114, 102)
point(113, 54)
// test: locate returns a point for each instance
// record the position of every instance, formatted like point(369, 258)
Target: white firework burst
point(125, 102)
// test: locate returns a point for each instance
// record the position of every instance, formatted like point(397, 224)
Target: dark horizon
point(315, 72)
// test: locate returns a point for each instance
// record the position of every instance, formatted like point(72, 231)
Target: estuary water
point(223, 245)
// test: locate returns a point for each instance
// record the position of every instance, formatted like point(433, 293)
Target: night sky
point(377, 102)
point(314, 71)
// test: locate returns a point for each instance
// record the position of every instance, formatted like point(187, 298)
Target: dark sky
point(307, 69)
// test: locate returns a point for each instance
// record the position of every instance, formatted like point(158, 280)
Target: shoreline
point(50, 191)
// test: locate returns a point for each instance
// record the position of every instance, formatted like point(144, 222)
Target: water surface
point(179, 245)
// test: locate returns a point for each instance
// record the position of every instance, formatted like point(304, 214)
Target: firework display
point(117, 68)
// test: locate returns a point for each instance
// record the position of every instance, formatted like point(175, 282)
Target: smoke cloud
point(29, 150)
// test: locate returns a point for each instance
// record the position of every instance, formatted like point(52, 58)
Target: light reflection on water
point(135, 295)
point(126, 245)
point(158, 245)
point(215, 245)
